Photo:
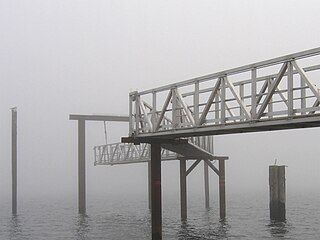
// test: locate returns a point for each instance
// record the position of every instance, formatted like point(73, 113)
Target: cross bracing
point(124, 153)
point(280, 93)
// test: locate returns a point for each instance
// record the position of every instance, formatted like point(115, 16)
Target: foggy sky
point(81, 56)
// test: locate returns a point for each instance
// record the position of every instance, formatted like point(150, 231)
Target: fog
point(83, 57)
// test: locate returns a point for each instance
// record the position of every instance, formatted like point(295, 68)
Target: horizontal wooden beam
point(107, 118)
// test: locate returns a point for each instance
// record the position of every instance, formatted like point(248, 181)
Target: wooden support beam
point(149, 185)
point(156, 212)
point(183, 189)
point(81, 166)
point(206, 184)
point(222, 189)
point(193, 166)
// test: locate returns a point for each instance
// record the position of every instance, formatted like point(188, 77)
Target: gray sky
point(85, 56)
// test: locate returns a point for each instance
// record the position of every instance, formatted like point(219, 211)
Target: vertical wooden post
point(14, 160)
point(81, 167)
point(277, 188)
point(156, 212)
point(222, 189)
point(206, 184)
point(149, 185)
point(183, 189)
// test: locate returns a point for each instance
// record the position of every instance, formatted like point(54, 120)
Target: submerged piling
point(277, 189)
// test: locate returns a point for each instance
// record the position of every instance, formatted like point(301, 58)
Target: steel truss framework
point(276, 94)
point(124, 153)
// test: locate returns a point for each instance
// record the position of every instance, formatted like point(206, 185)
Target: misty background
point(84, 57)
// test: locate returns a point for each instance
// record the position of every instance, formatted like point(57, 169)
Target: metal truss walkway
point(276, 94)
point(197, 148)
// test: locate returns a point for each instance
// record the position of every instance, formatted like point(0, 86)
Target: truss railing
point(281, 88)
point(121, 153)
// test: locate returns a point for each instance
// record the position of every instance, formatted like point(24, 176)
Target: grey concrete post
point(14, 160)
point(81, 167)
point(277, 188)
point(156, 212)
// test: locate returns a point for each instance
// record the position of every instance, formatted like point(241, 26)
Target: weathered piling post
point(222, 189)
point(81, 166)
point(183, 189)
point(206, 184)
point(156, 204)
point(14, 160)
point(277, 188)
point(149, 185)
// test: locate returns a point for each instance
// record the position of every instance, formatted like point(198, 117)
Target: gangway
point(276, 94)
point(125, 153)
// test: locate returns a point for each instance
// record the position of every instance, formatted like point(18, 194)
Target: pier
point(271, 95)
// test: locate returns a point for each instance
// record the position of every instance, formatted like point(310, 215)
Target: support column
point(149, 185)
point(206, 184)
point(156, 201)
point(14, 160)
point(81, 167)
point(222, 189)
point(183, 189)
point(277, 193)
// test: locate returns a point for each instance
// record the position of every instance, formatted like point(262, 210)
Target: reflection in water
point(82, 230)
point(278, 228)
point(215, 231)
point(15, 228)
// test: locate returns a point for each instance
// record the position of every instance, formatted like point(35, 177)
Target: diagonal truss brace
point(210, 101)
point(308, 82)
point(272, 90)
point(239, 100)
point(163, 111)
point(185, 107)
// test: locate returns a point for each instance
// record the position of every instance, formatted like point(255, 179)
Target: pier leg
point(81, 167)
point(206, 184)
point(149, 185)
point(156, 212)
point(277, 193)
point(183, 189)
point(14, 160)
point(222, 189)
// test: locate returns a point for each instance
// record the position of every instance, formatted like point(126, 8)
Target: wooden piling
point(183, 190)
point(149, 185)
point(156, 201)
point(277, 189)
point(206, 184)
point(222, 189)
point(14, 160)
point(81, 167)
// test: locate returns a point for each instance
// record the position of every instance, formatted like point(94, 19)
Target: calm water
point(120, 218)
